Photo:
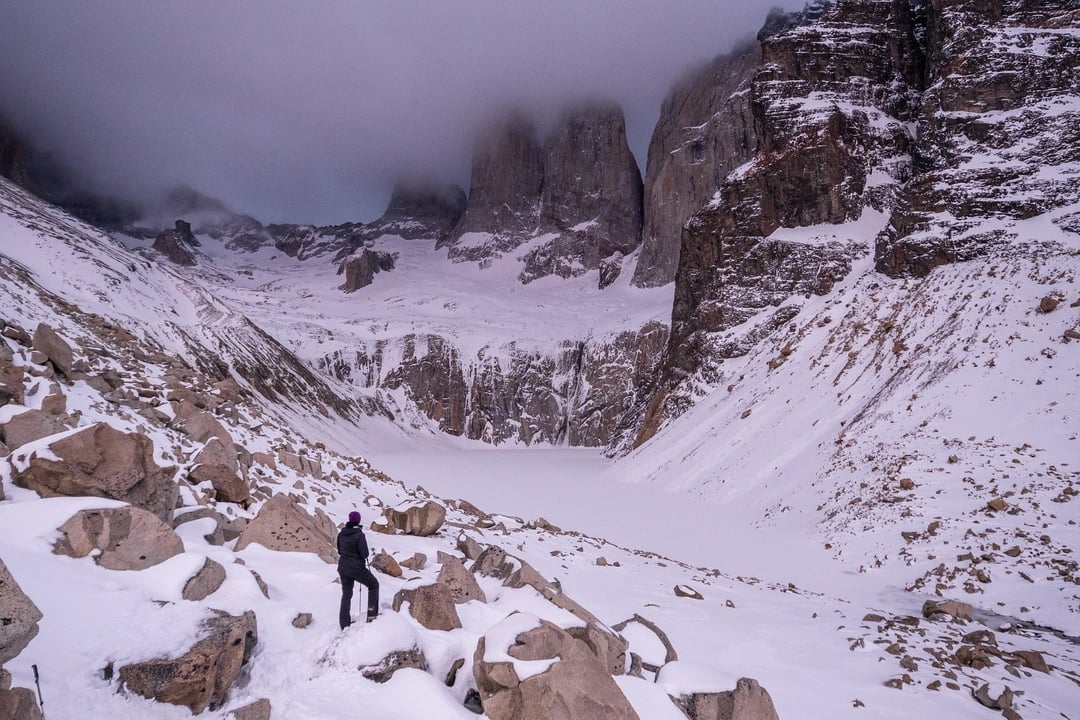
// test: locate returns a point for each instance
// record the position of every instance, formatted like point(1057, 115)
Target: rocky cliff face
point(576, 196)
point(591, 198)
point(942, 119)
point(577, 394)
point(997, 129)
point(704, 132)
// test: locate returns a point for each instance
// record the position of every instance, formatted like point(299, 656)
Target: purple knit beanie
point(354, 517)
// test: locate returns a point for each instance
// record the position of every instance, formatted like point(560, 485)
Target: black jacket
point(352, 550)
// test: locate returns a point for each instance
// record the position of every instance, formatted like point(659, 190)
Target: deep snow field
point(787, 519)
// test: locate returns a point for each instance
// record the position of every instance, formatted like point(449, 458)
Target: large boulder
point(101, 461)
point(19, 704)
point(283, 525)
point(26, 427)
point(460, 582)
point(128, 538)
point(201, 677)
point(215, 536)
point(561, 678)
point(748, 701)
point(54, 347)
point(422, 520)
point(430, 605)
point(18, 617)
point(216, 464)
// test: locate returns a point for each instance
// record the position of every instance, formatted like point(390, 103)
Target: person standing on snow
point(352, 550)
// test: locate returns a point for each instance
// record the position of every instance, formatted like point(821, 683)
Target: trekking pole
point(37, 681)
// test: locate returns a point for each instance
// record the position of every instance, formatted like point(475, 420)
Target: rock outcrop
point(281, 524)
point(574, 684)
point(576, 393)
point(176, 244)
point(503, 209)
point(18, 617)
point(360, 268)
point(422, 520)
point(101, 461)
point(930, 124)
point(127, 538)
point(705, 131)
point(748, 701)
point(201, 677)
point(577, 194)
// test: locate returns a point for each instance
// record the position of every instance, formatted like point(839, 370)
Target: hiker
point(352, 567)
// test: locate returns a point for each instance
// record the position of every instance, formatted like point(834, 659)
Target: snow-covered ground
point(779, 497)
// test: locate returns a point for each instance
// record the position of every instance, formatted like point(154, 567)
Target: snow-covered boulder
point(126, 538)
point(283, 525)
point(748, 701)
point(201, 677)
point(18, 617)
point(99, 461)
point(530, 669)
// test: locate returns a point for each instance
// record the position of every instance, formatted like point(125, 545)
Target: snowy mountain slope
point(800, 631)
point(54, 255)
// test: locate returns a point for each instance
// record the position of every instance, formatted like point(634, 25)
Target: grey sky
point(307, 111)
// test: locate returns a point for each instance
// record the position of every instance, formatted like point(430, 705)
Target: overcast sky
point(307, 111)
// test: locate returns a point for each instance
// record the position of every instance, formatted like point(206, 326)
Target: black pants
point(365, 578)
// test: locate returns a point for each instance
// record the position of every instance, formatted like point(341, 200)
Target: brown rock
point(748, 701)
point(129, 538)
point(421, 520)
point(302, 620)
point(176, 244)
point(460, 582)
point(576, 685)
point(201, 677)
point(383, 670)
point(468, 547)
point(430, 605)
point(997, 504)
point(55, 348)
point(1049, 304)
point(258, 710)
point(11, 378)
point(386, 564)
point(686, 591)
point(1033, 659)
point(26, 427)
point(18, 617)
point(216, 464)
point(493, 562)
point(101, 461)
point(205, 582)
point(415, 563)
point(1001, 701)
point(954, 608)
point(283, 525)
point(19, 704)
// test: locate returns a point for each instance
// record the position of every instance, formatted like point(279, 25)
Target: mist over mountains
point(294, 116)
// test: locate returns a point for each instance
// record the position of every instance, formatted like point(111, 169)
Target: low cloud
point(308, 112)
